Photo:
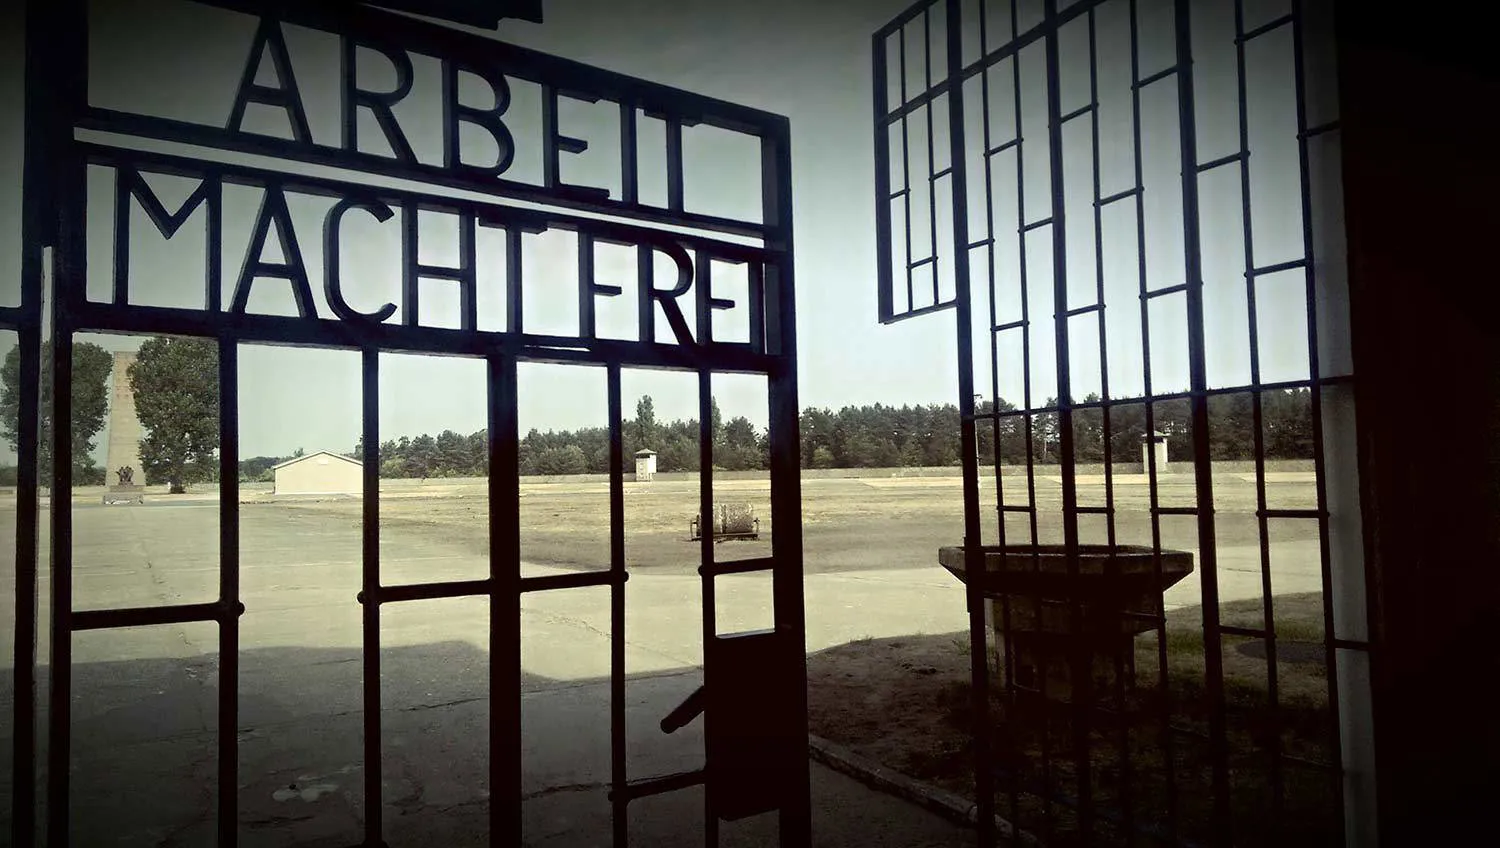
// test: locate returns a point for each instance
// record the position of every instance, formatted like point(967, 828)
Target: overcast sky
point(814, 67)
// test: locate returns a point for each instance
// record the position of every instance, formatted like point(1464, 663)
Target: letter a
point(283, 95)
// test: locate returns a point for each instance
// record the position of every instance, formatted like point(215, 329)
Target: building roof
point(296, 459)
point(645, 452)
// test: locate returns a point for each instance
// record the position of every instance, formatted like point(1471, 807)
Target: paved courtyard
point(144, 708)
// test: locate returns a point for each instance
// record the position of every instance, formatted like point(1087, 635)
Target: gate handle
point(684, 712)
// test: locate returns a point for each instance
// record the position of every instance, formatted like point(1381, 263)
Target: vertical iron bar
point(1126, 782)
point(795, 820)
point(37, 224)
point(370, 583)
point(1041, 681)
point(629, 165)
point(1066, 448)
point(706, 533)
point(881, 90)
point(905, 168)
point(59, 750)
point(1198, 401)
point(979, 667)
point(1166, 739)
point(932, 238)
point(229, 589)
point(514, 280)
point(674, 163)
point(1007, 649)
point(69, 275)
point(505, 604)
point(1257, 418)
point(1315, 411)
point(120, 284)
point(617, 609)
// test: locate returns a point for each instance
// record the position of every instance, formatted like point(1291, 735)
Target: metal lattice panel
point(68, 134)
point(1103, 275)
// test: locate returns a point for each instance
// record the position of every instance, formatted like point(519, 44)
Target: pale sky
point(814, 67)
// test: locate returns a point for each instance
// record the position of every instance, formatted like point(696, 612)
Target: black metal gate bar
point(974, 560)
point(1125, 782)
point(770, 352)
point(1065, 435)
point(505, 603)
point(1331, 642)
point(618, 776)
point(1257, 416)
point(1029, 403)
point(37, 231)
point(1213, 657)
point(1167, 739)
point(370, 597)
point(229, 590)
point(70, 54)
point(707, 524)
point(775, 298)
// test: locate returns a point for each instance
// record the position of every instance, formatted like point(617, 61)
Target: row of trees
point(176, 387)
point(175, 381)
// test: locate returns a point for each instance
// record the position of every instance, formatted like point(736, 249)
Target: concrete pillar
point(124, 428)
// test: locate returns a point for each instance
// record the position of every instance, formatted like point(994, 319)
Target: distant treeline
point(875, 436)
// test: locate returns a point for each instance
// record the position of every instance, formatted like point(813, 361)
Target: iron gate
point(68, 134)
point(1094, 163)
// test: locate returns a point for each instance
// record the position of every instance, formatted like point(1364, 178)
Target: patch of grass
point(906, 703)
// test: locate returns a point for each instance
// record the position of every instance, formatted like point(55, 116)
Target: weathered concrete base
point(124, 494)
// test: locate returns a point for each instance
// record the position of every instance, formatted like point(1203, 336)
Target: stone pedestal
point(125, 493)
point(1032, 594)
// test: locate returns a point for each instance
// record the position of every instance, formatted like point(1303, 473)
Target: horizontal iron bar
point(920, 311)
point(1118, 196)
point(907, 16)
point(1249, 632)
point(1042, 222)
point(739, 566)
point(1156, 77)
point(429, 591)
point(487, 211)
point(984, 242)
point(1016, 508)
point(1174, 510)
point(900, 193)
point(912, 266)
point(1276, 268)
point(573, 581)
point(1263, 29)
point(1136, 400)
point(646, 787)
point(1319, 129)
point(1291, 513)
point(326, 332)
point(1085, 310)
point(1155, 293)
point(1011, 325)
point(1094, 510)
point(1080, 111)
point(1222, 161)
point(184, 132)
point(107, 619)
point(1353, 645)
point(1003, 146)
point(937, 175)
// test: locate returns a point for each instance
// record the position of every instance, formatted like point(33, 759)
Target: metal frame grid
point(57, 106)
point(965, 73)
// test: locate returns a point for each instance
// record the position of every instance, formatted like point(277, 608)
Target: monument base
point(125, 494)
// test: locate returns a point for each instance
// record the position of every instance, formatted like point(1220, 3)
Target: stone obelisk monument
point(124, 435)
